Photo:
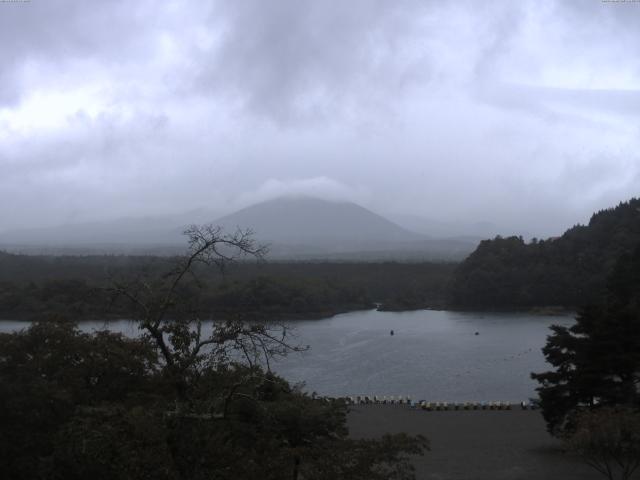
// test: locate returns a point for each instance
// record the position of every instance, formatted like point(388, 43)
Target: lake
point(433, 355)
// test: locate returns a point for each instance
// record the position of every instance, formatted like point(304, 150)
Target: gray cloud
point(520, 113)
point(293, 60)
point(49, 38)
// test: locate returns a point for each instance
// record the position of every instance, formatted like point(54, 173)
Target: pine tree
point(596, 360)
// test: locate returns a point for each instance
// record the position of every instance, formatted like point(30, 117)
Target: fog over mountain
point(298, 227)
point(451, 228)
point(523, 114)
point(306, 220)
point(122, 235)
point(305, 227)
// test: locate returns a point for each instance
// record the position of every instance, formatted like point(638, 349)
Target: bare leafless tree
point(173, 322)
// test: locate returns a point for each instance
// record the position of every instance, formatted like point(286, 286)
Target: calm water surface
point(432, 355)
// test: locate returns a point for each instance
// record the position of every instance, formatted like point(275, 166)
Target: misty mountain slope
point(117, 231)
point(446, 229)
point(311, 221)
point(298, 228)
point(310, 228)
point(138, 233)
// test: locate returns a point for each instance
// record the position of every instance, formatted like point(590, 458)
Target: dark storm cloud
point(521, 113)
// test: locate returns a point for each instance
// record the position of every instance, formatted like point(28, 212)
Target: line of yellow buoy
point(433, 406)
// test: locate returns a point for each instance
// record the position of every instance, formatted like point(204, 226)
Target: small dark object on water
point(391, 332)
point(477, 333)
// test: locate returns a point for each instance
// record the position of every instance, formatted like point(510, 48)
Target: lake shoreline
point(550, 311)
point(435, 355)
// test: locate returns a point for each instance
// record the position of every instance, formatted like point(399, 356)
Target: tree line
point(77, 286)
point(567, 271)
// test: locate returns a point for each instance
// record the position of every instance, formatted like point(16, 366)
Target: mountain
point(298, 228)
point(567, 271)
point(307, 228)
point(311, 221)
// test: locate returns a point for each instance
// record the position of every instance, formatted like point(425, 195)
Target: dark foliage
point(75, 406)
point(568, 271)
point(608, 440)
point(178, 403)
point(48, 372)
point(75, 287)
point(597, 360)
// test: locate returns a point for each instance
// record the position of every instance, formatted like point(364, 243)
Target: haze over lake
point(434, 355)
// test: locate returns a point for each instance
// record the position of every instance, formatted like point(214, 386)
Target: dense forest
point(567, 271)
point(503, 273)
point(79, 286)
point(175, 403)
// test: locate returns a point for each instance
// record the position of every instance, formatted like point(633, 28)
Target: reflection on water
point(434, 355)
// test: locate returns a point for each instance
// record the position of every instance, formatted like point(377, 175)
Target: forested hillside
point(567, 271)
point(78, 287)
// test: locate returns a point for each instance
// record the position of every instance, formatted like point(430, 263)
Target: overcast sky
point(522, 113)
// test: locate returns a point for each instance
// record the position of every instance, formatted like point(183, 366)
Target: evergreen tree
point(596, 360)
point(568, 271)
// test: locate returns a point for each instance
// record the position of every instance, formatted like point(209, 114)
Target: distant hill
point(568, 271)
point(296, 228)
point(307, 228)
point(157, 235)
point(312, 221)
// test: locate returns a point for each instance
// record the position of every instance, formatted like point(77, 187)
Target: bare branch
point(180, 340)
